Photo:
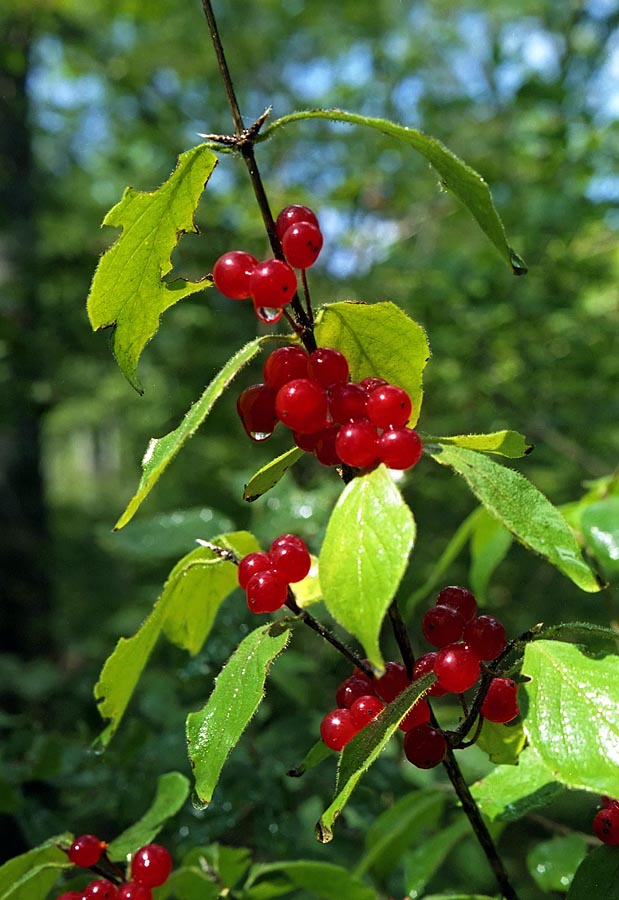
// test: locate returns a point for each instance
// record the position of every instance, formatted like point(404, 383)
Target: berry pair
point(606, 822)
point(150, 868)
point(265, 576)
point(272, 283)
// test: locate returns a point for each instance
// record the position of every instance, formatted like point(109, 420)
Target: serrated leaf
point(325, 880)
point(510, 792)
point(459, 178)
point(489, 544)
point(426, 858)
point(359, 754)
point(522, 509)
point(31, 875)
point(552, 864)
point(172, 791)
point(377, 339)
point(128, 290)
point(596, 638)
point(214, 730)
point(364, 554)
point(186, 609)
point(600, 526)
point(597, 876)
point(268, 476)
point(572, 720)
point(510, 444)
point(502, 743)
point(161, 451)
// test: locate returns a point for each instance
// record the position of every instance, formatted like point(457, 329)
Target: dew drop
point(260, 435)
point(268, 314)
point(196, 802)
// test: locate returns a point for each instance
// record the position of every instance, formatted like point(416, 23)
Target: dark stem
point(401, 636)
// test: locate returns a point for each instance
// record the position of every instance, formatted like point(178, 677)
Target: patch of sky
point(601, 9)
point(405, 98)
point(603, 95)
point(528, 43)
point(603, 189)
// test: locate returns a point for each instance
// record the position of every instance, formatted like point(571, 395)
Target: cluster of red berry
point(150, 867)
point(265, 576)
point(606, 822)
point(464, 640)
point(272, 284)
point(340, 421)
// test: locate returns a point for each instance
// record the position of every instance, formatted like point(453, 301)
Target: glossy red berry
point(457, 668)
point(284, 364)
point(302, 405)
point(291, 215)
point(442, 625)
point(423, 665)
point(266, 592)
point(351, 689)
point(458, 598)
point(325, 449)
point(291, 562)
point(400, 448)
point(389, 406)
point(370, 384)
point(608, 802)
point(418, 715)
point(357, 443)
point(100, 889)
point(273, 284)
point(289, 538)
point(425, 746)
point(485, 636)
point(251, 564)
point(365, 708)
point(71, 895)
point(86, 850)
point(307, 442)
point(606, 825)
point(347, 402)
point(232, 273)
point(327, 366)
point(134, 890)
point(151, 865)
point(392, 682)
point(501, 702)
point(337, 728)
point(302, 244)
point(256, 409)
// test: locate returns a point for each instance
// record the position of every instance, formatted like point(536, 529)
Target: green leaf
point(462, 181)
point(552, 864)
point(502, 743)
point(324, 880)
point(398, 828)
point(31, 875)
point(597, 876)
point(172, 791)
point(364, 554)
point(161, 451)
point(314, 756)
point(503, 443)
point(571, 720)
point(522, 509)
point(490, 542)
point(598, 639)
point(600, 526)
point(188, 883)
point(214, 730)
point(510, 792)
point(268, 476)
point(185, 611)
point(229, 864)
point(426, 858)
point(358, 755)
point(128, 290)
point(377, 339)
point(167, 535)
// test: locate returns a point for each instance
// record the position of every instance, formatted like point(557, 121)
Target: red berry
point(425, 746)
point(485, 636)
point(151, 865)
point(501, 703)
point(325, 449)
point(458, 598)
point(252, 563)
point(86, 850)
point(457, 668)
point(256, 409)
point(288, 538)
point(232, 273)
point(357, 443)
point(291, 562)
point(392, 682)
point(302, 244)
point(606, 825)
point(327, 366)
point(423, 665)
point(608, 802)
point(134, 890)
point(399, 448)
point(337, 728)
point(302, 405)
point(100, 889)
point(365, 708)
point(370, 384)
point(347, 402)
point(442, 625)
point(389, 406)
point(273, 284)
point(351, 689)
point(291, 215)
point(71, 895)
point(418, 715)
point(284, 364)
point(266, 592)
point(307, 442)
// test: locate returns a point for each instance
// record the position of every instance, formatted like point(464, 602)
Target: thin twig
point(401, 636)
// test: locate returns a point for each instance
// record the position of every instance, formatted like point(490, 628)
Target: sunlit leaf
point(502, 743)
point(502, 443)
point(31, 875)
point(510, 792)
point(600, 526)
point(268, 476)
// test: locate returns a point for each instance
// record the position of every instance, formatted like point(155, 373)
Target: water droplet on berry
point(260, 435)
point(268, 314)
